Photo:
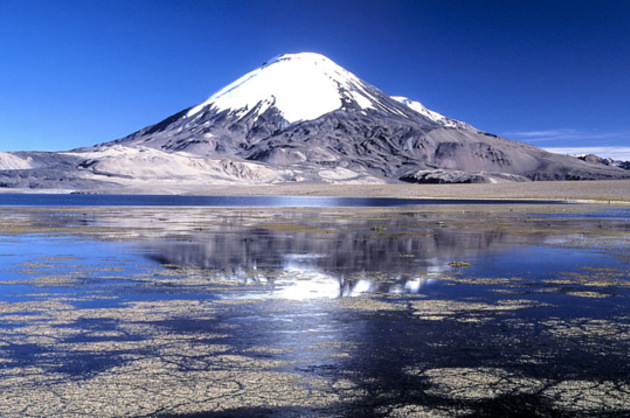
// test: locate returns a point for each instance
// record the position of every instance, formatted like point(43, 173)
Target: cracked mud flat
point(252, 312)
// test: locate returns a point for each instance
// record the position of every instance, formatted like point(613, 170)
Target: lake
point(16, 199)
point(285, 309)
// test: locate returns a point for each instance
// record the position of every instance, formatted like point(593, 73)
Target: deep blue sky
point(550, 72)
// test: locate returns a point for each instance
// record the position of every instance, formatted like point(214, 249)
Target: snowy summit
point(301, 86)
point(305, 86)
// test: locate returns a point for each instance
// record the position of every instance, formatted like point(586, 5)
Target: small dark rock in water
point(458, 264)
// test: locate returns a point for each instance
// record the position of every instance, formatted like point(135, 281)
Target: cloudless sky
point(555, 73)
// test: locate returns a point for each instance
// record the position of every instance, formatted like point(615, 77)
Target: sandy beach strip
point(602, 191)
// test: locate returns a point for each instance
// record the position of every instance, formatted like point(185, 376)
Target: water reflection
point(300, 281)
point(300, 254)
point(311, 258)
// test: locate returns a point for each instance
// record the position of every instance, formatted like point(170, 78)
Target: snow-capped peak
point(300, 86)
point(305, 86)
point(430, 114)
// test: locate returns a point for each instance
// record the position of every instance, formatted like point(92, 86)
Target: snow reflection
point(300, 279)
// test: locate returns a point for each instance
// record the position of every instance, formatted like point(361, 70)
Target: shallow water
point(420, 311)
point(48, 200)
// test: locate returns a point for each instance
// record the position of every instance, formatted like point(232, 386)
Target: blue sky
point(549, 72)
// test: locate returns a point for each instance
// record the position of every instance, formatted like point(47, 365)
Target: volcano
point(299, 118)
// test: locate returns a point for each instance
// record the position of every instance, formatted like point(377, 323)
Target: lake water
point(385, 310)
point(11, 199)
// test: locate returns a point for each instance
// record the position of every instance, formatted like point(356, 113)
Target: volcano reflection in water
point(320, 262)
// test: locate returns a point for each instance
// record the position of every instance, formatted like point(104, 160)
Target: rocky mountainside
point(592, 158)
point(298, 117)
